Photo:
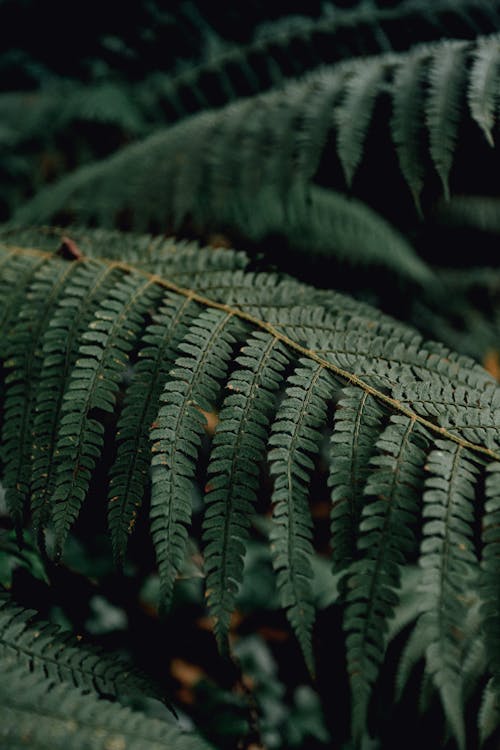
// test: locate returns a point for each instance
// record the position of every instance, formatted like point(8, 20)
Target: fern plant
point(250, 169)
point(206, 400)
point(422, 423)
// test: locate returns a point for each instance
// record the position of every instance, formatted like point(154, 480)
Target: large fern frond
point(290, 371)
point(217, 170)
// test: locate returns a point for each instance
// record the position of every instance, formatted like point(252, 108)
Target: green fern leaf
point(490, 565)
point(351, 363)
point(130, 471)
point(472, 414)
point(188, 185)
point(192, 389)
point(174, 178)
point(386, 541)
point(92, 389)
point(335, 224)
point(87, 286)
point(16, 273)
point(489, 713)
point(40, 648)
point(356, 427)
point(295, 440)
point(282, 148)
point(406, 122)
point(238, 450)
point(315, 125)
point(60, 717)
point(353, 115)
point(279, 50)
point(448, 561)
point(482, 93)
point(413, 652)
point(479, 212)
point(443, 106)
point(24, 358)
point(226, 182)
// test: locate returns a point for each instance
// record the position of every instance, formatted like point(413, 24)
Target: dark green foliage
point(86, 286)
point(23, 353)
point(489, 572)
point(295, 438)
point(355, 431)
point(230, 343)
point(250, 168)
point(58, 717)
point(238, 451)
point(192, 389)
point(93, 120)
point(449, 564)
point(387, 540)
point(129, 473)
point(45, 651)
point(92, 388)
point(191, 436)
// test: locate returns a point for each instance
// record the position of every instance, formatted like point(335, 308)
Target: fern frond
point(315, 123)
point(474, 417)
point(130, 471)
point(356, 427)
point(192, 389)
point(444, 105)
point(413, 652)
point(61, 717)
point(490, 564)
point(449, 564)
point(239, 448)
point(16, 274)
point(406, 125)
point(41, 648)
point(480, 212)
point(353, 115)
point(92, 390)
point(250, 177)
point(73, 312)
point(387, 355)
point(386, 542)
point(185, 262)
point(232, 343)
point(296, 440)
point(489, 713)
point(473, 659)
point(295, 44)
point(344, 228)
point(291, 46)
point(23, 357)
point(483, 88)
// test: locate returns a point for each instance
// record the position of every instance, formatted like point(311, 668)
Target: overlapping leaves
point(304, 382)
point(252, 167)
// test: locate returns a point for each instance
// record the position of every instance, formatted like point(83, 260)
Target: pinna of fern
point(292, 372)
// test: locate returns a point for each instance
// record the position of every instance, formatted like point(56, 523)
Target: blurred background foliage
point(77, 85)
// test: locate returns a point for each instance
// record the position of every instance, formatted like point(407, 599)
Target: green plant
point(205, 405)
